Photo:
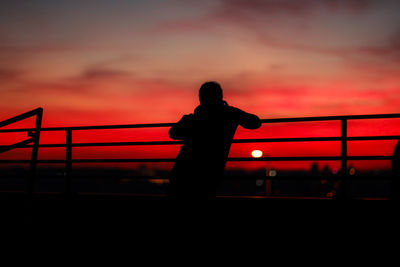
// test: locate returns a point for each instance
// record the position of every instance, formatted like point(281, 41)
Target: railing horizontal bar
point(55, 161)
point(148, 125)
point(278, 140)
point(369, 157)
point(313, 139)
point(264, 140)
point(329, 158)
point(121, 160)
point(333, 158)
point(108, 144)
point(16, 161)
point(129, 143)
point(16, 145)
point(21, 117)
point(372, 138)
point(99, 127)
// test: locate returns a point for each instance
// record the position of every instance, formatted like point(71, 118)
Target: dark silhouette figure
point(396, 171)
point(207, 136)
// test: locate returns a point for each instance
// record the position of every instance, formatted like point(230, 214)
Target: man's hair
point(210, 93)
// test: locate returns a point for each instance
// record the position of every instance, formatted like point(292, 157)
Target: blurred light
point(331, 194)
point(272, 173)
point(335, 170)
point(158, 181)
point(352, 171)
point(259, 182)
point(256, 153)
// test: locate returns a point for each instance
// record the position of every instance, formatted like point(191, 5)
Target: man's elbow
point(253, 122)
point(173, 134)
point(256, 124)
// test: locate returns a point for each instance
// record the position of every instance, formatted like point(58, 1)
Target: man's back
point(207, 136)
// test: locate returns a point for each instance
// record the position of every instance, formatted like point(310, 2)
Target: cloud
point(104, 73)
point(252, 16)
point(90, 89)
point(48, 48)
point(244, 13)
point(298, 7)
point(99, 88)
point(7, 74)
point(247, 12)
point(390, 49)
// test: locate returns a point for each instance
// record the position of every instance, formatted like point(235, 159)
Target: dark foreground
point(57, 210)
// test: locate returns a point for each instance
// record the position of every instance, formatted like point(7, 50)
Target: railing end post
point(342, 194)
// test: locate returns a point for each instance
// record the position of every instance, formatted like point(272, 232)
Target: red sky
point(116, 62)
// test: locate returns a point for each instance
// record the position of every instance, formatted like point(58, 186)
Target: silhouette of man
point(396, 171)
point(207, 136)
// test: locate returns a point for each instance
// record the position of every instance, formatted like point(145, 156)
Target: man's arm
point(177, 131)
point(249, 121)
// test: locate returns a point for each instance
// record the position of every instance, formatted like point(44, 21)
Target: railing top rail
point(328, 118)
point(96, 127)
point(258, 140)
point(148, 125)
point(21, 117)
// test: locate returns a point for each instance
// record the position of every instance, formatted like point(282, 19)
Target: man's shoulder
point(233, 110)
point(186, 118)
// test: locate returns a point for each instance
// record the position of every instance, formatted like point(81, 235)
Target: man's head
point(210, 94)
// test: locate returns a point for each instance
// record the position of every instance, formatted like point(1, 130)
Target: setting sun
point(256, 153)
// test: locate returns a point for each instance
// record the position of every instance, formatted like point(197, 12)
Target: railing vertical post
point(68, 161)
point(343, 158)
point(35, 151)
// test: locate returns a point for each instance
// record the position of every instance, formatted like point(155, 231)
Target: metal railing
point(69, 145)
point(34, 134)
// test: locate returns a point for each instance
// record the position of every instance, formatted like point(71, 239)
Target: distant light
point(335, 170)
point(272, 173)
point(331, 194)
point(352, 171)
point(259, 182)
point(256, 153)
